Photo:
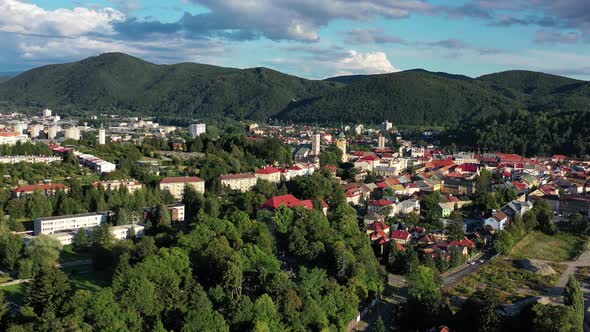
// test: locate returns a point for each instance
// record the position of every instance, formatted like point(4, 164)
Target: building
point(46, 113)
point(197, 129)
point(19, 127)
point(387, 126)
point(28, 159)
point(175, 185)
point(48, 189)
point(516, 209)
point(498, 221)
point(52, 132)
point(316, 141)
point(341, 144)
point(240, 182)
point(269, 173)
point(102, 136)
point(11, 138)
point(96, 164)
point(123, 232)
point(290, 201)
point(381, 142)
point(72, 133)
point(112, 185)
point(177, 212)
point(359, 129)
point(383, 207)
point(35, 131)
point(52, 225)
point(572, 204)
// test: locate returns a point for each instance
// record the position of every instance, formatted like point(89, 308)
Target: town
point(469, 215)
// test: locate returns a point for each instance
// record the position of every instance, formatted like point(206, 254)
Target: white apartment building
point(72, 133)
point(315, 144)
point(12, 138)
point(269, 173)
point(28, 159)
point(113, 185)
point(50, 225)
point(175, 185)
point(241, 182)
point(102, 136)
point(197, 129)
point(35, 130)
point(47, 113)
point(124, 232)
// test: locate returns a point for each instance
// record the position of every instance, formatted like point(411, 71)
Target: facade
point(387, 126)
point(498, 221)
point(52, 132)
point(96, 164)
point(52, 225)
point(124, 232)
point(381, 142)
point(197, 129)
point(12, 138)
point(72, 133)
point(102, 136)
point(572, 204)
point(28, 159)
point(35, 130)
point(341, 144)
point(240, 182)
point(315, 144)
point(48, 189)
point(112, 185)
point(383, 207)
point(269, 173)
point(177, 212)
point(175, 185)
point(46, 113)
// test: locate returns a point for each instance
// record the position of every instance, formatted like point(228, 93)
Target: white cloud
point(29, 19)
point(365, 63)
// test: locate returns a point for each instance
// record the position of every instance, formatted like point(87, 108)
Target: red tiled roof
point(267, 170)
point(472, 168)
point(182, 179)
point(402, 235)
point(42, 187)
point(381, 202)
point(463, 243)
point(369, 158)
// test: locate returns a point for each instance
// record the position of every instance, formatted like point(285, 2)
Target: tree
point(455, 227)
point(12, 247)
point(81, 240)
point(483, 181)
point(47, 291)
point(43, 250)
point(379, 325)
point(574, 298)
point(554, 318)
point(425, 302)
point(544, 214)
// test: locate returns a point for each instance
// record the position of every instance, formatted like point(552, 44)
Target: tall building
point(72, 133)
point(35, 130)
point(315, 144)
point(197, 129)
point(102, 136)
point(19, 128)
point(358, 129)
point(52, 132)
point(47, 113)
point(341, 144)
point(387, 126)
point(381, 142)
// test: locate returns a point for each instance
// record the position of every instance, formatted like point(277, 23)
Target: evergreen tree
point(574, 298)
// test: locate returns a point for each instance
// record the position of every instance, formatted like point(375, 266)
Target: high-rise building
point(358, 129)
point(341, 144)
point(387, 126)
point(35, 130)
point(47, 113)
point(197, 129)
point(52, 132)
point(72, 133)
point(102, 136)
point(315, 144)
point(19, 127)
point(381, 142)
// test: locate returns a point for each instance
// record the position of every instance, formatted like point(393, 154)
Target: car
point(471, 262)
point(481, 261)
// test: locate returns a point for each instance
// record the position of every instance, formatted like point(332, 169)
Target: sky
point(308, 38)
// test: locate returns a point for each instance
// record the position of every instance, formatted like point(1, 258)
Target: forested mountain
point(411, 97)
point(119, 82)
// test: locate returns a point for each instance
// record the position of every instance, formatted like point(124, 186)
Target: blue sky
point(309, 38)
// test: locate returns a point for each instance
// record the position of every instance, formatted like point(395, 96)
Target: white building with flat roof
point(241, 182)
point(197, 129)
point(50, 225)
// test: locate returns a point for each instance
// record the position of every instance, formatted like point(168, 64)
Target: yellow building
point(341, 144)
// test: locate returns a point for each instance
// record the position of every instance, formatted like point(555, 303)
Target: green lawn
point(15, 293)
point(509, 281)
point(84, 277)
point(558, 248)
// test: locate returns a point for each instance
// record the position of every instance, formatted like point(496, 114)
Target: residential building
point(269, 174)
point(290, 201)
point(572, 204)
point(387, 126)
point(383, 206)
point(52, 225)
point(197, 129)
point(49, 189)
point(11, 138)
point(498, 221)
point(102, 136)
point(381, 142)
point(516, 209)
point(315, 144)
point(401, 237)
point(46, 113)
point(123, 232)
point(177, 212)
point(341, 144)
point(175, 185)
point(72, 133)
point(240, 182)
point(112, 185)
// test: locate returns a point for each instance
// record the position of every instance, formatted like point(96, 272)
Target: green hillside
point(4, 79)
point(119, 81)
point(411, 97)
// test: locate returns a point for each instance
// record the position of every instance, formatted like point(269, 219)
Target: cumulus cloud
point(365, 63)
point(25, 18)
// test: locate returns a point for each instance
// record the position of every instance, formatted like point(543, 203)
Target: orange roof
point(267, 170)
point(42, 187)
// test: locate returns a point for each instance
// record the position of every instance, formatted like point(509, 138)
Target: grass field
point(509, 281)
point(558, 248)
point(86, 278)
point(15, 293)
point(68, 254)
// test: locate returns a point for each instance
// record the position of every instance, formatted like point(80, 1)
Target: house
point(114, 185)
point(175, 185)
point(401, 237)
point(408, 206)
point(446, 208)
point(498, 221)
point(269, 174)
point(290, 201)
point(572, 204)
point(240, 182)
point(371, 218)
point(48, 189)
point(516, 209)
point(382, 206)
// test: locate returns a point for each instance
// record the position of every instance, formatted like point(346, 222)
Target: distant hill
point(4, 79)
point(119, 81)
point(115, 81)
